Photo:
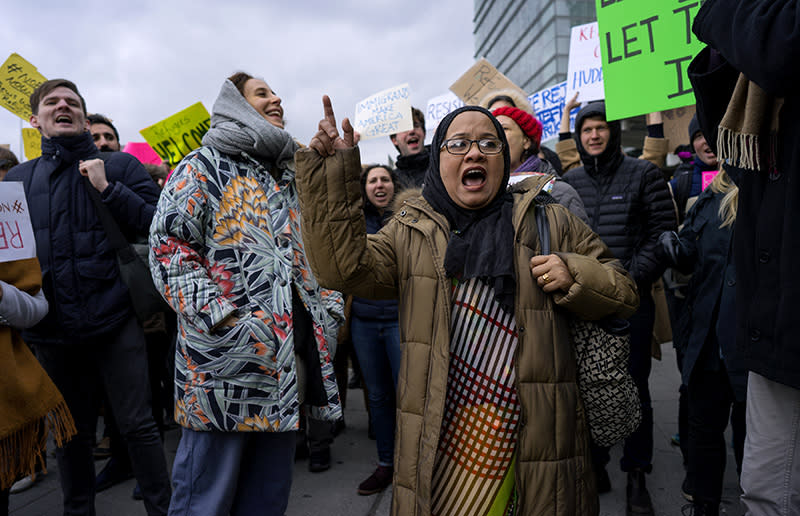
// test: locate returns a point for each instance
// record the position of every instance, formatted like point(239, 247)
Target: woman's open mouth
point(474, 178)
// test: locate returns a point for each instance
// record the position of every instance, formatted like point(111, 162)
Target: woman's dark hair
point(365, 173)
point(551, 157)
point(502, 98)
point(8, 159)
point(238, 79)
point(527, 153)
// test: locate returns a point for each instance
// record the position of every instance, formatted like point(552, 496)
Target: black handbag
point(602, 348)
point(133, 269)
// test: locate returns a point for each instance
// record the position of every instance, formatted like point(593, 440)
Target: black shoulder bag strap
point(115, 237)
point(135, 273)
point(543, 227)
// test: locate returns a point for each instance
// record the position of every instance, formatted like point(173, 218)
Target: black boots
point(638, 499)
point(700, 509)
point(602, 481)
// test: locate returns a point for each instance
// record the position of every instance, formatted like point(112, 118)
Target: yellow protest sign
point(176, 136)
point(18, 79)
point(32, 142)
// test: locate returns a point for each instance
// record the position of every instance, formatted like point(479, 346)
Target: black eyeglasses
point(461, 146)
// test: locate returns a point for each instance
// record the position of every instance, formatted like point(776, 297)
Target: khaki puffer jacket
point(405, 261)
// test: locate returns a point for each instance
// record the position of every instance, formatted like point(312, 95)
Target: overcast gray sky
point(141, 62)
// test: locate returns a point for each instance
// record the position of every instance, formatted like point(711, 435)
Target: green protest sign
point(646, 47)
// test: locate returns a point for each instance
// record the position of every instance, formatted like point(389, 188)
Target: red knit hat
point(529, 125)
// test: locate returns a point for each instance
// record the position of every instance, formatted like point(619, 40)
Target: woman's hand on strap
point(327, 140)
point(551, 273)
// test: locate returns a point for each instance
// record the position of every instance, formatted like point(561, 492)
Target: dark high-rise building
point(528, 40)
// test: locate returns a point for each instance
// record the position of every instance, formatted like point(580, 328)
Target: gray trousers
point(771, 466)
point(117, 358)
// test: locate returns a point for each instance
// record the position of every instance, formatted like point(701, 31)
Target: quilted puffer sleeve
point(177, 240)
point(567, 152)
point(658, 215)
point(602, 287)
point(341, 255)
point(132, 194)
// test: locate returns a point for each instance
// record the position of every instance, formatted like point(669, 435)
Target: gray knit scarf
point(236, 128)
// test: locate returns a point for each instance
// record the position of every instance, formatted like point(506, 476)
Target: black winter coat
point(80, 276)
point(760, 38)
point(627, 201)
point(709, 314)
point(411, 169)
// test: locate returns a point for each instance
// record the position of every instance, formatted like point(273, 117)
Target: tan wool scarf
point(30, 404)
point(748, 131)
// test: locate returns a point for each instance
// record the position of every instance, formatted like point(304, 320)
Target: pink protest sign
point(143, 152)
point(708, 177)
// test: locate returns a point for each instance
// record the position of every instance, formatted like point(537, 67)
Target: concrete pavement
point(333, 492)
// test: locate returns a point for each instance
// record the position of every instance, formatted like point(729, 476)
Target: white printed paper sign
point(438, 108)
point(16, 232)
point(548, 105)
point(387, 112)
point(585, 67)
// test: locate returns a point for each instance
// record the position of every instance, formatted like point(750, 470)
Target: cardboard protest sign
point(384, 113)
point(176, 136)
point(548, 106)
point(18, 79)
point(31, 142)
point(676, 125)
point(438, 108)
point(646, 48)
point(479, 80)
point(142, 152)
point(16, 232)
point(585, 68)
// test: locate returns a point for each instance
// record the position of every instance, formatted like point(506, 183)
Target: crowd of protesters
point(271, 256)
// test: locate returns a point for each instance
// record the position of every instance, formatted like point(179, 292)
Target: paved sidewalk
point(334, 492)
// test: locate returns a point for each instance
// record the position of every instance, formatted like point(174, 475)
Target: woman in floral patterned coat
point(228, 256)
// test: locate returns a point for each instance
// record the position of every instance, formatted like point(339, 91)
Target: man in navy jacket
point(91, 329)
point(629, 206)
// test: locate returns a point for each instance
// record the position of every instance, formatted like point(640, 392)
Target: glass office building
point(528, 40)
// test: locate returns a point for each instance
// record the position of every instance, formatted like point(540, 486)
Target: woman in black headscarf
point(489, 417)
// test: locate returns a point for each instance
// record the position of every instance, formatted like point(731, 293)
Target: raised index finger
point(327, 109)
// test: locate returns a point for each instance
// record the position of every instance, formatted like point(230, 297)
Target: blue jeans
point(377, 345)
point(236, 473)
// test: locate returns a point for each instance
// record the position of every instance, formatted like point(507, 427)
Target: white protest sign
point(548, 104)
point(387, 112)
point(438, 108)
point(16, 232)
point(585, 67)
